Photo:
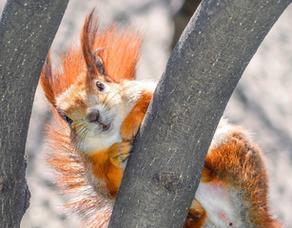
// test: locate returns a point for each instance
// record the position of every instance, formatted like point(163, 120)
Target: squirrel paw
point(120, 153)
point(129, 132)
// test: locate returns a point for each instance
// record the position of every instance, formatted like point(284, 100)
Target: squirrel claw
point(120, 153)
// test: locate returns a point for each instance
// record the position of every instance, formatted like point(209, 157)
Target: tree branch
point(163, 171)
point(27, 29)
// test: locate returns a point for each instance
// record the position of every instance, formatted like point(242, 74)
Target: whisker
point(80, 132)
point(82, 135)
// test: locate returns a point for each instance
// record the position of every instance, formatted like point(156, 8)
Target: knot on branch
point(168, 180)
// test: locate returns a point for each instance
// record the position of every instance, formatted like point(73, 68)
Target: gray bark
point(27, 29)
point(182, 17)
point(163, 171)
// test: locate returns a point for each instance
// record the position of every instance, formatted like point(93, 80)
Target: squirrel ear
point(46, 80)
point(94, 63)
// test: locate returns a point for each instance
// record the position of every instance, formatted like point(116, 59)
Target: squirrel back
point(234, 184)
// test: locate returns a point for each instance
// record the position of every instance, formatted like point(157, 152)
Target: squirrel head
point(88, 94)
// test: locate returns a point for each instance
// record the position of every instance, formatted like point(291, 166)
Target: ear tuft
point(46, 81)
point(121, 53)
point(88, 35)
point(109, 53)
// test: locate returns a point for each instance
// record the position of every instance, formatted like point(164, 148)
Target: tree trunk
point(163, 171)
point(27, 29)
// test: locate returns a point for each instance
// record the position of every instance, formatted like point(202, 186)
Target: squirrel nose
point(93, 116)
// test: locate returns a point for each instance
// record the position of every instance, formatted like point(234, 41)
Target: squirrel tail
point(75, 180)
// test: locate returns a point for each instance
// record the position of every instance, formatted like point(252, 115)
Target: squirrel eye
point(100, 86)
point(68, 120)
point(65, 117)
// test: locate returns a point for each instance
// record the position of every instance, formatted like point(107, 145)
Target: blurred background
point(262, 101)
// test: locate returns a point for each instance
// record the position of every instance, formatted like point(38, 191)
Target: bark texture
point(163, 171)
point(27, 29)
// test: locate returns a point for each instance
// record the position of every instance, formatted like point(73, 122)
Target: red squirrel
point(98, 107)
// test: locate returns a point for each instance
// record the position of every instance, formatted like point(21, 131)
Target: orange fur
point(238, 164)
point(118, 50)
point(107, 165)
point(120, 53)
point(132, 122)
point(46, 81)
point(73, 178)
point(196, 216)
